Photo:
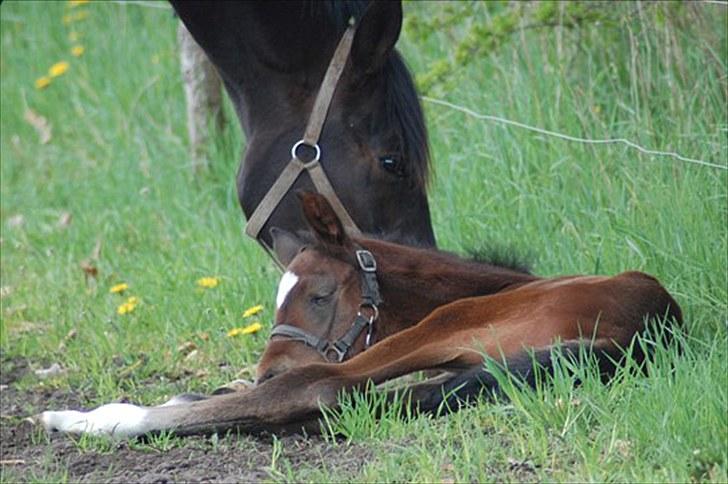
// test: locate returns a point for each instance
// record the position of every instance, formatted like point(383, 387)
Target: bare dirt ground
point(27, 454)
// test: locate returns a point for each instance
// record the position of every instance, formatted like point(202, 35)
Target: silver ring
point(302, 142)
point(375, 314)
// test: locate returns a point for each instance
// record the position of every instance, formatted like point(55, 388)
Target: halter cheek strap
point(336, 351)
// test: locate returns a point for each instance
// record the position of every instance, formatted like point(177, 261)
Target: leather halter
point(335, 351)
point(311, 135)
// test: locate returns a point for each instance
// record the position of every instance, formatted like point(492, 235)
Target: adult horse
point(366, 126)
point(339, 277)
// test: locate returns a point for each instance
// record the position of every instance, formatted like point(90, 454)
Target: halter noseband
point(335, 351)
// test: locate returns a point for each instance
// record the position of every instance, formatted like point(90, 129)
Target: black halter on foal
point(335, 351)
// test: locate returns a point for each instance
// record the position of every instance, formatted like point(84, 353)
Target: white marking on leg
point(288, 280)
point(114, 419)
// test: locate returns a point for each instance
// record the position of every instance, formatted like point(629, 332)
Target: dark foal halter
point(335, 351)
point(311, 135)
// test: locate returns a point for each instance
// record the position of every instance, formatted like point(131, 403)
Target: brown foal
point(422, 310)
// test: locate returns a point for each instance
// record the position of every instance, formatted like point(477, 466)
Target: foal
point(527, 318)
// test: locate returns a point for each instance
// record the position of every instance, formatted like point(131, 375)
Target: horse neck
point(415, 281)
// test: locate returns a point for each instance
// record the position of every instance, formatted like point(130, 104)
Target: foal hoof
point(234, 386)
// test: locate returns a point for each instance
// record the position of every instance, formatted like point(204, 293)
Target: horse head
point(272, 57)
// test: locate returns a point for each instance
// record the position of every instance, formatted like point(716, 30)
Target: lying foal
point(340, 280)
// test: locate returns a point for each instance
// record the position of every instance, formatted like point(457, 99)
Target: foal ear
point(323, 220)
point(285, 245)
point(376, 35)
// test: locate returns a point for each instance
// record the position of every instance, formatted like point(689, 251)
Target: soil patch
point(28, 454)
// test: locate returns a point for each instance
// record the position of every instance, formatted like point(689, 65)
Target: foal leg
point(290, 400)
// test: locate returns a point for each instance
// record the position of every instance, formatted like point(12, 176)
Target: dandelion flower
point(58, 69)
point(125, 308)
point(208, 282)
point(253, 311)
point(77, 50)
point(252, 328)
point(249, 329)
point(73, 36)
point(42, 82)
point(76, 3)
point(119, 288)
point(128, 306)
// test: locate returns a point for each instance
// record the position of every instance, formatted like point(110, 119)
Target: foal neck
point(415, 281)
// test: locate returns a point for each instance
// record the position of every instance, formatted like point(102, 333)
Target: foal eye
point(393, 166)
point(321, 300)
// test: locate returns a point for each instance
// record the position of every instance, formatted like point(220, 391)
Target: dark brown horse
point(339, 278)
point(272, 56)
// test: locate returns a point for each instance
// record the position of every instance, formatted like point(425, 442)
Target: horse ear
point(285, 245)
point(376, 35)
point(323, 220)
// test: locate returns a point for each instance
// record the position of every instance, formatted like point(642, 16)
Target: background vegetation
point(109, 197)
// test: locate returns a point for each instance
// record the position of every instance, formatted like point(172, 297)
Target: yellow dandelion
point(42, 82)
point(208, 282)
point(253, 311)
point(119, 288)
point(76, 3)
point(249, 329)
point(77, 50)
point(73, 36)
point(58, 69)
point(252, 328)
point(125, 308)
point(128, 306)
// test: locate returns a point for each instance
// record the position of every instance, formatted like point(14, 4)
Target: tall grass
point(118, 163)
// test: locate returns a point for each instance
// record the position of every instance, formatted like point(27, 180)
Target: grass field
point(116, 163)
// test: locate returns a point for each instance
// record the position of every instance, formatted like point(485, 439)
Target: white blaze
point(288, 280)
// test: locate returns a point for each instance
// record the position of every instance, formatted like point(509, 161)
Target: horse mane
point(404, 110)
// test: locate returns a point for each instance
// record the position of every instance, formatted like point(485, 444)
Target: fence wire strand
point(567, 137)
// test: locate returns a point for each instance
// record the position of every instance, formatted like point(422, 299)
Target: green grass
point(118, 162)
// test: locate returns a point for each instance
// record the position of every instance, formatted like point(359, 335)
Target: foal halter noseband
point(311, 135)
point(335, 351)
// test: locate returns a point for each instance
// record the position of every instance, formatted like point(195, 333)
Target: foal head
point(319, 296)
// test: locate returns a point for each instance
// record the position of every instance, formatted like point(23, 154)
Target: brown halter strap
point(310, 138)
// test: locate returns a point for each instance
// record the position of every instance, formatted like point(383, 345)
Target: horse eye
point(392, 165)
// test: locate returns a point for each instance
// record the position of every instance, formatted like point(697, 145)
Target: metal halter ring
point(315, 146)
point(373, 307)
